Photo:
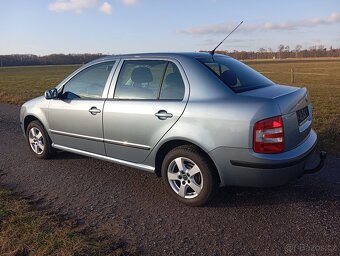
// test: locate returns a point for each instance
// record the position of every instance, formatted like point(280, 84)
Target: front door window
point(89, 83)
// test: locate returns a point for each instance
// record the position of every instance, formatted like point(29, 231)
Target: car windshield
point(236, 75)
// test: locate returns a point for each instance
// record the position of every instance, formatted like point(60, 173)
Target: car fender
point(37, 108)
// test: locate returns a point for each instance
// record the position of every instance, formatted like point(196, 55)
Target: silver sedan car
point(200, 121)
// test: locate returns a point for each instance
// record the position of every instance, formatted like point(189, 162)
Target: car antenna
point(213, 51)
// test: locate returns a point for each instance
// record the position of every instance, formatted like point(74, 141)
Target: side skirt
point(105, 158)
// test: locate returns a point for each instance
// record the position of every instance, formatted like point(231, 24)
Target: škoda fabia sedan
point(198, 120)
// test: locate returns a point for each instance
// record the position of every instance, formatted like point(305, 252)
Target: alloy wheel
point(185, 177)
point(36, 140)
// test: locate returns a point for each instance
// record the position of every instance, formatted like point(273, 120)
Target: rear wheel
point(189, 176)
point(38, 140)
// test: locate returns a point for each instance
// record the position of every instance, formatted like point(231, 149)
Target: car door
point(148, 98)
point(76, 116)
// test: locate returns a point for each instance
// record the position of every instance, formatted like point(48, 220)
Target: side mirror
point(51, 94)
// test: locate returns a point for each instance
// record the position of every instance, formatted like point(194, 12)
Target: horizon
point(136, 53)
point(82, 26)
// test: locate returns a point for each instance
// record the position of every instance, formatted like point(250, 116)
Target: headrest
point(141, 75)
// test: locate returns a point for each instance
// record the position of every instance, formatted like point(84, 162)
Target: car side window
point(173, 86)
point(89, 83)
point(140, 79)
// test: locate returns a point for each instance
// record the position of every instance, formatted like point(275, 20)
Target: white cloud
point(221, 28)
point(106, 8)
point(334, 17)
point(224, 28)
point(76, 6)
point(129, 2)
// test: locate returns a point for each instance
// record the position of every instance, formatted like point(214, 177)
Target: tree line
point(53, 59)
point(285, 52)
point(282, 52)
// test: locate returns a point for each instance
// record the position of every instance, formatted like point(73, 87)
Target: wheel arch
point(171, 144)
point(48, 142)
point(29, 118)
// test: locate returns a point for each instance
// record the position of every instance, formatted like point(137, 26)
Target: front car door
point(146, 101)
point(76, 116)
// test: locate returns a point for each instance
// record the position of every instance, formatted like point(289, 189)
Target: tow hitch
point(317, 168)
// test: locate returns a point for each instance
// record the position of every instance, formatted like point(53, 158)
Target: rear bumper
point(243, 167)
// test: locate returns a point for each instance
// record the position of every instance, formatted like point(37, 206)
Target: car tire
point(189, 175)
point(38, 140)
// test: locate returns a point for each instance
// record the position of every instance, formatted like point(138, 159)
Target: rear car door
point(148, 98)
point(76, 116)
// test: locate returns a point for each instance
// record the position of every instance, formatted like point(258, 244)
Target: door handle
point(94, 110)
point(162, 115)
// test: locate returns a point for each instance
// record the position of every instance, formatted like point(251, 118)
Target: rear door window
point(140, 79)
point(149, 80)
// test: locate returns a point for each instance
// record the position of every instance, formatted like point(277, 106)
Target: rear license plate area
point(302, 114)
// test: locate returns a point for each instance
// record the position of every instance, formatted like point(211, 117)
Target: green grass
point(27, 231)
point(321, 77)
point(18, 84)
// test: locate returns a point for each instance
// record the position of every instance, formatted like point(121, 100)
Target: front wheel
point(38, 140)
point(189, 176)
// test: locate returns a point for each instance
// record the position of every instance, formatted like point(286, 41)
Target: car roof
point(195, 55)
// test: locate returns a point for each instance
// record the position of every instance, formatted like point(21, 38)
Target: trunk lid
point(295, 108)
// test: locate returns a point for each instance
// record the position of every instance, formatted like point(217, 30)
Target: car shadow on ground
point(323, 186)
point(63, 155)
point(306, 190)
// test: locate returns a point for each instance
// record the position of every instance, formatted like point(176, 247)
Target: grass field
point(18, 84)
point(321, 77)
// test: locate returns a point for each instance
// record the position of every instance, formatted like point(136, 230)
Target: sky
point(131, 26)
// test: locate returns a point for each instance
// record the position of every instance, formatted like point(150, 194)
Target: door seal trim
point(75, 135)
point(127, 144)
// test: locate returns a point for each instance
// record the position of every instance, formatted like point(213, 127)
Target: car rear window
point(236, 75)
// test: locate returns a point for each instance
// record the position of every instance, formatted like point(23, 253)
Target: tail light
point(269, 136)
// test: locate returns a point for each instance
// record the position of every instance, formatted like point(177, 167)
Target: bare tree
point(280, 49)
point(312, 48)
point(298, 47)
point(321, 47)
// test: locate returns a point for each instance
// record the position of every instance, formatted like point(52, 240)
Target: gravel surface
point(302, 217)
